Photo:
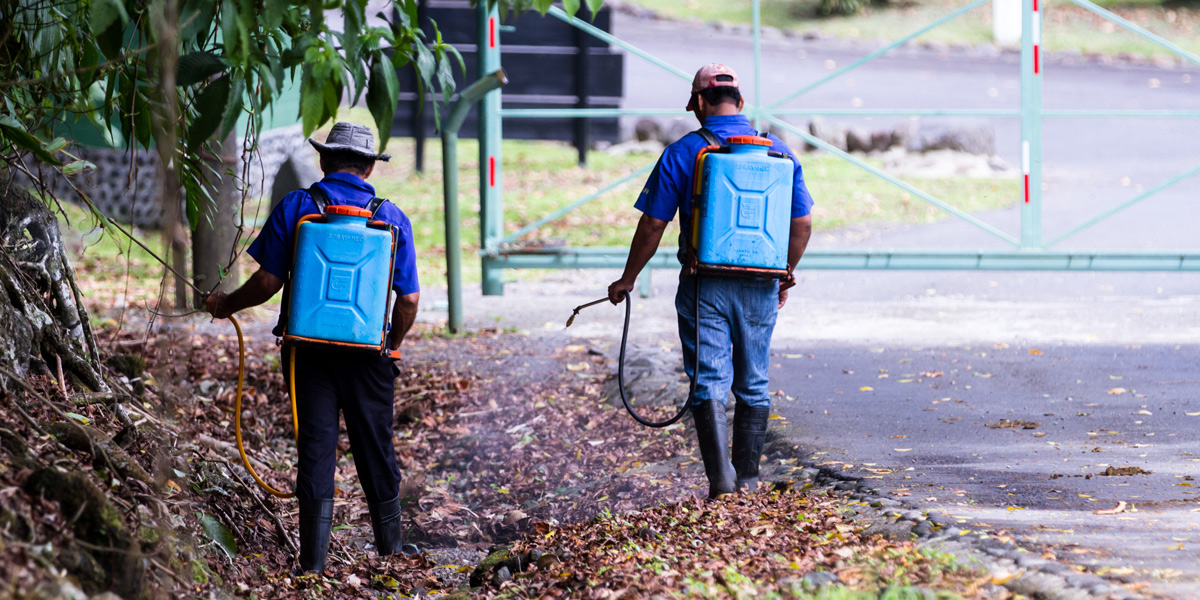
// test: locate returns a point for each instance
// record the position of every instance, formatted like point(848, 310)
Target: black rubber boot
point(749, 435)
point(709, 417)
point(316, 525)
point(385, 522)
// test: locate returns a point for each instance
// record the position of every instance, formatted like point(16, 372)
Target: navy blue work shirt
point(274, 244)
point(669, 188)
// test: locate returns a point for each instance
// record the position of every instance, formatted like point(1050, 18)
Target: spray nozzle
point(575, 313)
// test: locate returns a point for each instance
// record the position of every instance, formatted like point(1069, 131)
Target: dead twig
point(229, 450)
point(283, 536)
point(62, 381)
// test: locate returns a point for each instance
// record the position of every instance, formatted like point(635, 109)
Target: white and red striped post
point(1031, 123)
point(491, 201)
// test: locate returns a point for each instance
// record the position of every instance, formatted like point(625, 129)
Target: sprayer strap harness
point(322, 199)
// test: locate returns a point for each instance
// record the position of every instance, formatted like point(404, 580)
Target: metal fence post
point(1031, 124)
point(491, 201)
point(759, 103)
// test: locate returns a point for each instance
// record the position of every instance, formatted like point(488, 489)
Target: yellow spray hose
point(237, 408)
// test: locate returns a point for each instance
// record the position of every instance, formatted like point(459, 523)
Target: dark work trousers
point(361, 385)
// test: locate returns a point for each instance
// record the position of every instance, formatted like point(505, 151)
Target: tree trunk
point(42, 320)
point(216, 230)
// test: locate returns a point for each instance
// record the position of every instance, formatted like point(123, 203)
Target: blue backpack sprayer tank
point(740, 226)
point(338, 293)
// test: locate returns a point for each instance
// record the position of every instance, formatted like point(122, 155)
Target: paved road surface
point(1094, 333)
point(1089, 164)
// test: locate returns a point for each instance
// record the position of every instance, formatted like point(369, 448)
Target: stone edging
point(1023, 572)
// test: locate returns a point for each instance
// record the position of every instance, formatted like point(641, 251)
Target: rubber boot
point(316, 525)
point(749, 435)
point(385, 522)
point(709, 417)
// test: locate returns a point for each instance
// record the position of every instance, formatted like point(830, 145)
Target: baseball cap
point(710, 76)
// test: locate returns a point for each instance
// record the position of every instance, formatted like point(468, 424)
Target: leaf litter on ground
point(497, 439)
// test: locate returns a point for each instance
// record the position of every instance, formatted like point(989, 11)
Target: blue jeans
point(737, 318)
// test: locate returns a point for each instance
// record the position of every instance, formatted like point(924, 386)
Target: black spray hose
point(687, 403)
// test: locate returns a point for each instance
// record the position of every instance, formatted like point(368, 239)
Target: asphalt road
point(1018, 438)
point(1090, 164)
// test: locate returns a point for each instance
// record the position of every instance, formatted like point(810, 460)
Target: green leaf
point(77, 166)
point(142, 119)
point(87, 63)
point(15, 132)
point(352, 22)
point(384, 581)
point(571, 6)
point(191, 206)
point(462, 65)
point(219, 533)
point(79, 417)
point(382, 92)
point(56, 144)
point(211, 107)
point(196, 67)
point(542, 5)
point(312, 104)
point(230, 36)
point(107, 13)
point(410, 12)
point(445, 75)
point(273, 14)
point(595, 5)
point(197, 19)
point(233, 110)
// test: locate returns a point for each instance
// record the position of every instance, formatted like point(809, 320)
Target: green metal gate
point(1027, 251)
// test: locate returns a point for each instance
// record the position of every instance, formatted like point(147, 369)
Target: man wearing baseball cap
point(737, 314)
point(358, 384)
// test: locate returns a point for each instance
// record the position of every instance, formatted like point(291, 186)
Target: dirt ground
point(506, 442)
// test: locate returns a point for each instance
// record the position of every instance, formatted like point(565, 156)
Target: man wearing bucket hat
point(736, 314)
point(329, 379)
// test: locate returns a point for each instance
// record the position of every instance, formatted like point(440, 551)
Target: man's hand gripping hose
point(621, 361)
point(237, 402)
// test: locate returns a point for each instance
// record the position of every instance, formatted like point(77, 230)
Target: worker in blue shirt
point(736, 314)
point(360, 384)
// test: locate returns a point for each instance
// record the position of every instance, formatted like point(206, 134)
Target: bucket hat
point(350, 137)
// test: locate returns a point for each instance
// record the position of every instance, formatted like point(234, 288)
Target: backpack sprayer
point(740, 227)
point(338, 293)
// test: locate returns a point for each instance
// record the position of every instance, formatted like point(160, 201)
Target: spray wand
point(575, 313)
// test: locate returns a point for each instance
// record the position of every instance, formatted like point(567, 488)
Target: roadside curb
point(1019, 570)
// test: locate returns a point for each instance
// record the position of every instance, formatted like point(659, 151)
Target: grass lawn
point(539, 177)
point(1066, 26)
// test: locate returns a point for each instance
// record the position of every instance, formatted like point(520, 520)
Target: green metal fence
point(1026, 251)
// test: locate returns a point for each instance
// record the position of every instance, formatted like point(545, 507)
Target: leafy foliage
point(111, 62)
